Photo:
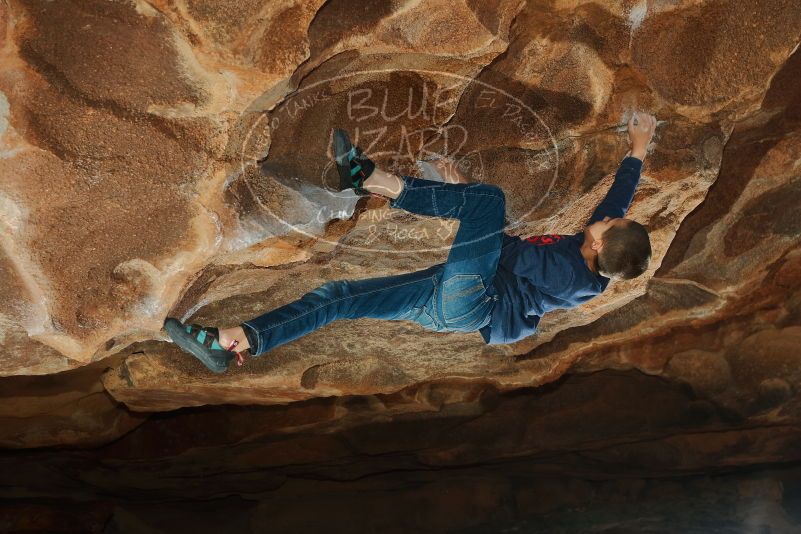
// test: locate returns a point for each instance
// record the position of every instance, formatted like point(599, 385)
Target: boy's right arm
point(620, 195)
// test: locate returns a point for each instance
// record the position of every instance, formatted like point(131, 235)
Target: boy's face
point(596, 230)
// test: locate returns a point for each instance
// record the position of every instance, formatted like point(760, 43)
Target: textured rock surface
point(170, 157)
point(131, 188)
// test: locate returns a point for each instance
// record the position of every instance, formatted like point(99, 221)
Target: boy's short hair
point(626, 251)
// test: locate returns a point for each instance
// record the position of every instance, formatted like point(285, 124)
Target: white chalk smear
point(637, 15)
point(429, 172)
point(4, 108)
point(12, 215)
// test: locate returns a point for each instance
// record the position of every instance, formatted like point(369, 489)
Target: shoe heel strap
point(240, 359)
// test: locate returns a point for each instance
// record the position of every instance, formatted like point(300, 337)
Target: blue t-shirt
point(548, 272)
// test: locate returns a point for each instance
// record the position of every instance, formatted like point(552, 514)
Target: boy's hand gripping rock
point(641, 131)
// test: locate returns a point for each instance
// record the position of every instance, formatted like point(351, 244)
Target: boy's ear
point(597, 245)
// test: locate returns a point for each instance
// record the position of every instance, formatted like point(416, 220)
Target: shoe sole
point(184, 339)
point(342, 146)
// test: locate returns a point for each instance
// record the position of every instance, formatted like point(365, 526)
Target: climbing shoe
point(202, 343)
point(353, 166)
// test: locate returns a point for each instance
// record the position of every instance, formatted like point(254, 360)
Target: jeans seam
point(332, 302)
point(463, 193)
point(422, 311)
point(437, 322)
point(500, 197)
point(467, 189)
point(401, 197)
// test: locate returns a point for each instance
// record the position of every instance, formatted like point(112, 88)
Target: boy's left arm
point(620, 195)
point(641, 130)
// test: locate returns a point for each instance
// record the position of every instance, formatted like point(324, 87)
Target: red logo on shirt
point(542, 240)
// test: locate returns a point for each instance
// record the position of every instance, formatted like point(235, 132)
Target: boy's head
point(623, 247)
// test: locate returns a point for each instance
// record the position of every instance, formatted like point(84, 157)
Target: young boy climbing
point(492, 282)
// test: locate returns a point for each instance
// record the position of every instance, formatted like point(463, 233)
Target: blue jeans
point(455, 296)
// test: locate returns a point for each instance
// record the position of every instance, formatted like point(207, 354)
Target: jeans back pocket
point(464, 300)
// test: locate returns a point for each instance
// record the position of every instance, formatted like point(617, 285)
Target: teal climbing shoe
point(201, 343)
point(353, 166)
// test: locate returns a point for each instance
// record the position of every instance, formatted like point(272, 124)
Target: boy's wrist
point(638, 153)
